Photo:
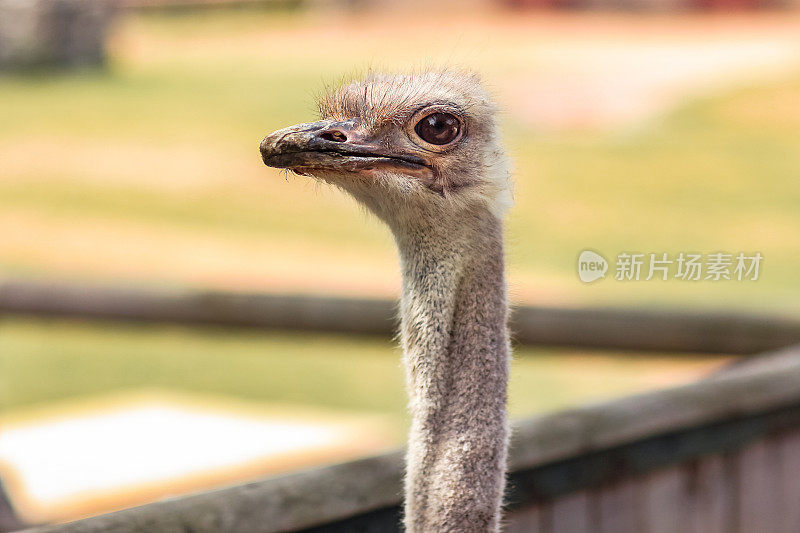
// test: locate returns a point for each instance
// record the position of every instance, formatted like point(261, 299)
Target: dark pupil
point(438, 128)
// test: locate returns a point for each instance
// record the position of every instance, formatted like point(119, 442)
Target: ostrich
point(421, 152)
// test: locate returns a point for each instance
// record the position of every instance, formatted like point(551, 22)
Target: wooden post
point(53, 33)
point(9, 521)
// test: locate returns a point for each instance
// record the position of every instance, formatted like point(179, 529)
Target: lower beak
point(334, 146)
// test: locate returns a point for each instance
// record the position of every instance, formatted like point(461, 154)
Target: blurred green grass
point(44, 360)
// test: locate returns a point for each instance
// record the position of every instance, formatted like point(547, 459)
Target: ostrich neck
point(453, 311)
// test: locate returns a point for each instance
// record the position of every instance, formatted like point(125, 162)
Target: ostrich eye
point(438, 128)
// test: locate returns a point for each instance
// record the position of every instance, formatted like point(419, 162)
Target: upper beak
point(332, 145)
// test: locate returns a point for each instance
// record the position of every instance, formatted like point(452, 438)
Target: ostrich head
point(409, 147)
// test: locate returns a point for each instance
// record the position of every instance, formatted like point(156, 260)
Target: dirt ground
point(599, 72)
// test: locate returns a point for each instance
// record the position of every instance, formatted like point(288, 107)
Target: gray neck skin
point(455, 341)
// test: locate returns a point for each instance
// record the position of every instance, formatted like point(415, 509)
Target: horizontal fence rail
point(600, 453)
point(603, 328)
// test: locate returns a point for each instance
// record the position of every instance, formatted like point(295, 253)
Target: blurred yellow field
point(150, 174)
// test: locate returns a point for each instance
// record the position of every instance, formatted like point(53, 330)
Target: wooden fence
point(717, 456)
point(721, 455)
point(596, 328)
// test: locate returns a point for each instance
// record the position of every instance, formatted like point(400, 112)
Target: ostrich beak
point(329, 145)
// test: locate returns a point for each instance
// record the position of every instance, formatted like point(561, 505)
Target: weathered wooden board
point(786, 469)
point(620, 507)
point(525, 520)
point(573, 513)
point(664, 501)
point(757, 490)
point(754, 489)
point(710, 494)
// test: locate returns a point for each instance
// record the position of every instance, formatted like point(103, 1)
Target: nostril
point(334, 136)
